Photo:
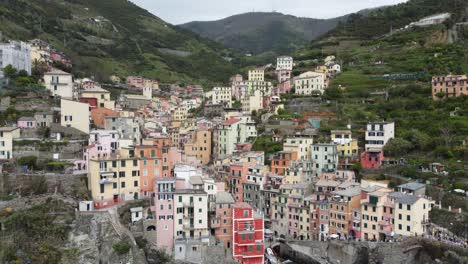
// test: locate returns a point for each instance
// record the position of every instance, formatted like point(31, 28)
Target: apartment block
point(248, 234)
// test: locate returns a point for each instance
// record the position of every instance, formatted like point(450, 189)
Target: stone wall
point(344, 252)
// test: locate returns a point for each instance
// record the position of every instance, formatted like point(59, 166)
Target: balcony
point(188, 225)
point(106, 181)
point(188, 204)
point(188, 216)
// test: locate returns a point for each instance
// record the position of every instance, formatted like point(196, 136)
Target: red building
point(372, 159)
point(449, 86)
point(91, 101)
point(248, 235)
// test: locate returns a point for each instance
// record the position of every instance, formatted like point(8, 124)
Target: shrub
point(121, 248)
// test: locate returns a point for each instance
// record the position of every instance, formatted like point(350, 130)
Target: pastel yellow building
point(7, 134)
point(257, 74)
point(346, 145)
point(75, 114)
point(114, 178)
point(411, 213)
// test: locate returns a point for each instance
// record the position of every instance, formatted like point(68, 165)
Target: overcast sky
point(182, 11)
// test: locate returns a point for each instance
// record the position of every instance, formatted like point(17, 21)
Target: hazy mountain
point(259, 32)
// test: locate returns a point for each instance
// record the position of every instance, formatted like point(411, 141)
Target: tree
point(398, 147)
point(10, 72)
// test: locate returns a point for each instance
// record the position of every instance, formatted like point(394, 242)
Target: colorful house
point(248, 235)
point(27, 122)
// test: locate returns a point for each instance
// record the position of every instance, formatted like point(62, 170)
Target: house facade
point(449, 86)
point(59, 83)
point(7, 134)
point(75, 114)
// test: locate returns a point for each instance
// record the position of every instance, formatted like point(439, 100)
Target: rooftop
point(189, 191)
point(26, 118)
point(230, 121)
point(404, 198)
point(350, 192)
point(196, 180)
point(224, 198)
point(327, 183)
point(57, 72)
point(414, 186)
point(7, 129)
point(242, 205)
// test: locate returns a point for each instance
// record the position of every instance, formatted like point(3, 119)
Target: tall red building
point(248, 237)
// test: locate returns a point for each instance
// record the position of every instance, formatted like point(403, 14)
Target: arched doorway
point(151, 228)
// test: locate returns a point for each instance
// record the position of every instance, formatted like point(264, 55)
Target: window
point(399, 216)
point(259, 248)
point(121, 174)
point(408, 218)
point(250, 248)
point(246, 212)
point(122, 184)
point(400, 227)
point(400, 206)
point(122, 163)
point(135, 184)
point(408, 207)
point(180, 199)
point(408, 228)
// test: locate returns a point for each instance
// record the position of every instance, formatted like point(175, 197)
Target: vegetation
point(36, 234)
point(116, 37)
point(266, 144)
point(121, 248)
point(379, 21)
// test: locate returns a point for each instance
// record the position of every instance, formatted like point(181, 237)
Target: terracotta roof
point(230, 121)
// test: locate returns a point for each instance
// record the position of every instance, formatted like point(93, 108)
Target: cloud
point(182, 11)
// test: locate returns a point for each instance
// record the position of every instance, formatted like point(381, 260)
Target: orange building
point(342, 206)
point(198, 146)
point(98, 115)
point(281, 161)
point(150, 167)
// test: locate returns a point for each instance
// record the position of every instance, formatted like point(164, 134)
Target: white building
point(75, 114)
point(301, 145)
point(59, 83)
point(7, 134)
point(252, 101)
point(222, 95)
point(284, 63)
point(378, 134)
point(191, 214)
point(309, 83)
point(257, 74)
point(17, 54)
point(325, 158)
point(234, 131)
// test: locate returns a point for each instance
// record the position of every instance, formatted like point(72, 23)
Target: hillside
point(259, 32)
point(115, 37)
point(389, 78)
point(380, 21)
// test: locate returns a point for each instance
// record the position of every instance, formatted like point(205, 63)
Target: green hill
point(378, 22)
point(115, 37)
point(259, 32)
point(388, 77)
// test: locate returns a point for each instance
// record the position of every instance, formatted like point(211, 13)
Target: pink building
point(221, 223)
point(449, 86)
point(284, 87)
point(27, 122)
point(101, 144)
point(164, 189)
